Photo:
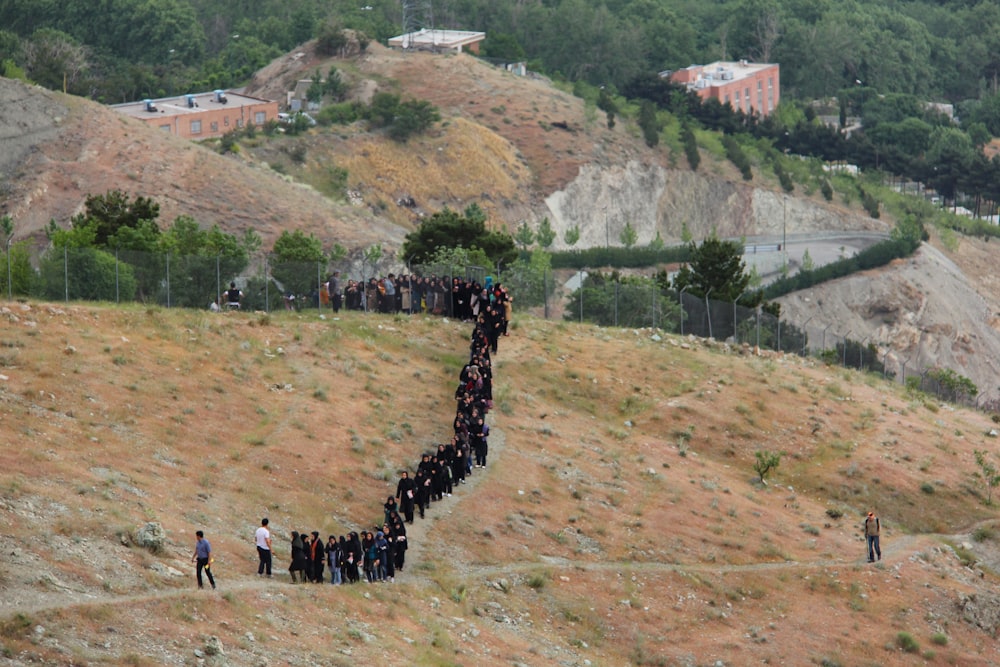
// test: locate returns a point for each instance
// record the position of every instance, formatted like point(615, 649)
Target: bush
point(906, 642)
point(765, 463)
point(927, 488)
point(939, 638)
point(344, 113)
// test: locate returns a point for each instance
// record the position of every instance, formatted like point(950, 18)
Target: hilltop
point(619, 522)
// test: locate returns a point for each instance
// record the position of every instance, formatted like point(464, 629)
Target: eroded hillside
point(619, 521)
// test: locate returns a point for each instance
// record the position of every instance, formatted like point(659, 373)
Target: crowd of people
point(438, 295)
point(376, 555)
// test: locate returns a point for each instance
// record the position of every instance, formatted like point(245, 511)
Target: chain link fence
point(266, 284)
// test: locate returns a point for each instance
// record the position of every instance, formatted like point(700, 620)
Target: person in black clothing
point(317, 556)
point(422, 491)
point(405, 492)
point(298, 557)
point(399, 553)
point(389, 507)
point(233, 296)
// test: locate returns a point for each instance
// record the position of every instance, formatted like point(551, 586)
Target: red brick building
point(201, 116)
point(747, 87)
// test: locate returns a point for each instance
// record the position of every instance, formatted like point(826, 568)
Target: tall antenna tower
point(417, 15)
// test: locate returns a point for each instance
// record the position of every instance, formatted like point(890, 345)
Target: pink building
point(747, 87)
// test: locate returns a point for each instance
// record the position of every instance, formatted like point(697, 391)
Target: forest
point(120, 50)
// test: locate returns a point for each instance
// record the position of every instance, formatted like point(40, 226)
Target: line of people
point(376, 555)
point(438, 295)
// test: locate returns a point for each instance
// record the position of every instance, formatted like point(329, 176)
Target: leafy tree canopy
point(114, 211)
point(716, 269)
point(450, 229)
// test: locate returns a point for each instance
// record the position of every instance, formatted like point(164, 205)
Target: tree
point(114, 211)
point(55, 59)
point(765, 462)
point(449, 229)
point(572, 235)
point(524, 236)
point(628, 235)
point(331, 38)
point(298, 261)
point(988, 473)
point(649, 123)
point(716, 268)
point(545, 235)
point(200, 259)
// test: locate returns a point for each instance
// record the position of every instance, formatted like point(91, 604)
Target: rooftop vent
point(149, 105)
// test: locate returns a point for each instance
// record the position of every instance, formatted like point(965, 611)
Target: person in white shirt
point(263, 540)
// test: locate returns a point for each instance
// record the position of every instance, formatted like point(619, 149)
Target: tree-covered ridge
point(127, 49)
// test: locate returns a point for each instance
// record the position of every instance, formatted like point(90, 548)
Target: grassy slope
point(620, 522)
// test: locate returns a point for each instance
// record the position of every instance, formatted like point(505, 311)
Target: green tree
point(716, 269)
point(572, 235)
point(765, 462)
point(113, 212)
point(988, 473)
point(545, 235)
point(412, 117)
point(628, 236)
point(449, 229)
point(202, 262)
point(298, 261)
point(649, 123)
point(524, 235)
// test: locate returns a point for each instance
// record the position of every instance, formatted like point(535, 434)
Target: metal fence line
point(85, 274)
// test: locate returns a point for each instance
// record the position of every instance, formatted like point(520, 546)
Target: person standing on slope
point(262, 538)
point(872, 529)
point(203, 556)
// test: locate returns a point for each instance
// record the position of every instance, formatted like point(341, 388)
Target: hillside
point(523, 150)
point(619, 521)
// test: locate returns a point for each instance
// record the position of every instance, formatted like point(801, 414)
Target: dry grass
point(587, 538)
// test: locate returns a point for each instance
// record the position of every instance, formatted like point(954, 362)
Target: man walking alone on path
point(263, 540)
point(871, 536)
point(203, 556)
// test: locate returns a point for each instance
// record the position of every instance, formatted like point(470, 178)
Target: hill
point(619, 521)
point(521, 148)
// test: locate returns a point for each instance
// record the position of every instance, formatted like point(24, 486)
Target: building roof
point(181, 105)
point(719, 73)
point(439, 39)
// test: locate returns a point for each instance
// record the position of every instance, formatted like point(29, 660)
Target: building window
point(260, 117)
point(225, 121)
point(239, 122)
point(736, 103)
point(215, 126)
point(165, 128)
point(770, 84)
point(196, 127)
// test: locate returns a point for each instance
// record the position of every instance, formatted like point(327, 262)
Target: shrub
point(906, 642)
point(939, 638)
point(765, 463)
point(927, 488)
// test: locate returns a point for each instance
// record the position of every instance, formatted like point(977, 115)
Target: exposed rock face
point(921, 312)
point(602, 200)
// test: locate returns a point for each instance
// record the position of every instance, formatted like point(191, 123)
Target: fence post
point(267, 288)
point(319, 286)
point(545, 292)
point(708, 313)
point(10, 292)
point(617, 294)
point(218, 282)
point(66, 272)
point(581, 296)
point(168, 281)
point(116, 277)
